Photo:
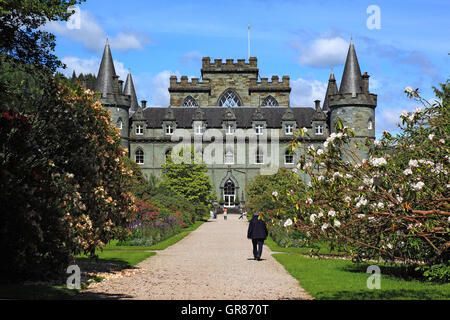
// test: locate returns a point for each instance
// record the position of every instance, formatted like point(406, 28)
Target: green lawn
point(112, 246)
point(323, 248)
point(337, 279)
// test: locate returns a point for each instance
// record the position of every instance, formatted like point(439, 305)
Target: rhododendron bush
point(393, 205)
point(64, 184)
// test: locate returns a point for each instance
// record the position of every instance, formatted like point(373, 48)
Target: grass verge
point(321, 248)
point(333, 279)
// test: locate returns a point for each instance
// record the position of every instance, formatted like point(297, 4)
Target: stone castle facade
point(231, 98)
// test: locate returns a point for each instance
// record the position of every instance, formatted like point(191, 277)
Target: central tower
point(229, 84)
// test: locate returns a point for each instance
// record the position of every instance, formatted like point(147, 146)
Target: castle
point(231, 98)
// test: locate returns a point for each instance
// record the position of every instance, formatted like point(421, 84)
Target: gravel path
point(214, 262)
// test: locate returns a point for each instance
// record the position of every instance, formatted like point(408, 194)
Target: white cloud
point(325, 52)
point(93, 37)
point(192, 56)
point(92, 65)
point(306, 91)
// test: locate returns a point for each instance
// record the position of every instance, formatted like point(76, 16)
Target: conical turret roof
point(105, 82)
point(129, 90)
point(351, 79)
point(331, 89)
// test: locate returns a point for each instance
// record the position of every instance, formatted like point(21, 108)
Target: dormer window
point(229, 129)
point(139, 130)
point(289, 129)
point(319, 130)
point(259, 128)
point(169, 129)
point(199, 129)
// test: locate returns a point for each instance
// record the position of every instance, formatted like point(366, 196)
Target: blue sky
point(302, 39)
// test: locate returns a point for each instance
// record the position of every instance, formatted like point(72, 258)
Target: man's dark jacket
point(257, 229)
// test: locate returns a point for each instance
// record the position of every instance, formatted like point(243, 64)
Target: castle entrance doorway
point(229, 194)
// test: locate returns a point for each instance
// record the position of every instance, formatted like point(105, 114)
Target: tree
point(394, 205)
point(189, 180)
point(260, 190)
point(20, 34)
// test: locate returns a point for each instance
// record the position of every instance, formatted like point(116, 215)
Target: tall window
point(370, 125)
point(289, 129)
point(259, 128)
point(229, 129)
point(229, 193)
point(229, 157)
point(270, 102)
point(189, 102)
point(139, 156)
point(168, 154)
point(288, 157)
point(319, 130)
point(139, 130)
point(229, 99)
point(119, 123)
point(259, 157)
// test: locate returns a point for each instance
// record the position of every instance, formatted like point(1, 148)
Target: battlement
point(274, 85)
point(230, 66)
point(185, 85)
point(349, 99)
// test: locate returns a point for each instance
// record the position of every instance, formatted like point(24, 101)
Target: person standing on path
point(225, 213)
point(257, 232)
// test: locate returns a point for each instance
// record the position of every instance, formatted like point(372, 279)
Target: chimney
point(317, 102)
point(116, 84)
point(365, 79)
point(120, 86)
point(144, 104)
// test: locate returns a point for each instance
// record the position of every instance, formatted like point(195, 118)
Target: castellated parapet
point(274, 86)
point(184, 85)
point(349, 99)
point(229, 66)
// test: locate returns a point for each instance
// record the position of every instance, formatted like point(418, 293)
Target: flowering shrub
point(152, 225)
point(393, 205)
point(64, 185)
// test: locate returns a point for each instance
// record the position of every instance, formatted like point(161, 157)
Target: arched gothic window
point(270, 102)
point(139, 156)
point(230, 99)
point(189, 102)
point(119, 123)
point(370, 124)
point(168, 154)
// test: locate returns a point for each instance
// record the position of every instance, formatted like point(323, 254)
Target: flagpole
point(249, 41)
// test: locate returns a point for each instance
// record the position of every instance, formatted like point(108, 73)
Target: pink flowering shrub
point(64, 184)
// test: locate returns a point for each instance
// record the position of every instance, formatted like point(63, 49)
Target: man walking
point(257, 231)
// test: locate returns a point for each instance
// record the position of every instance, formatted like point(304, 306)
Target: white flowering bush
point(394, 205)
